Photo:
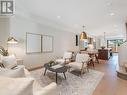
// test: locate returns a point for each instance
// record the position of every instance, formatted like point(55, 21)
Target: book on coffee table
point(57, 66)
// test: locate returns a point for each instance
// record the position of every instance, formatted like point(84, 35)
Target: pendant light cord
point(83, 28)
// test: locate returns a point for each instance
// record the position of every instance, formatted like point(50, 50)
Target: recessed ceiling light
point(59, 17)
point(109, 4)
point(112, 14)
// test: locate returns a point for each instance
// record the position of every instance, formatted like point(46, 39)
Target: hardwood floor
point(110, 84)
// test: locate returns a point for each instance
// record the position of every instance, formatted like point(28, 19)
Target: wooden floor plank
point(110, 84)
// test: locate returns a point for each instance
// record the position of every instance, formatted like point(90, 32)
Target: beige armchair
point(66, 58)
point(80, 63)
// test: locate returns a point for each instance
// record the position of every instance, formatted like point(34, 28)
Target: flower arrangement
point(3, 51)
point(103, 47)
point(51, 63)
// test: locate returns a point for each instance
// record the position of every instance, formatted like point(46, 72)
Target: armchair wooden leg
point(81, 72)
point(97, 58)
point(87, 69)
point(45, 71)
point(84, 70)
point(69, 69)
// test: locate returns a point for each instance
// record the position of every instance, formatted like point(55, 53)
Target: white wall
point(63, 41)
point(98, 42)
point(122, 54)
point(4, 31)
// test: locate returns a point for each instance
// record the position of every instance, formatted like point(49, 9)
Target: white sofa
point(18, 81)
point(47, 90)
point(9, 75)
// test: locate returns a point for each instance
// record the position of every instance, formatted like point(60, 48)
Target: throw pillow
point(16, 86)
point(9, 61)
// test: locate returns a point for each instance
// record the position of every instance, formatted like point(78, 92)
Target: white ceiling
point(72, 14)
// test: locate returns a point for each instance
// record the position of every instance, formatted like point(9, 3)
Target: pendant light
point(83, 35)
point(104, 37)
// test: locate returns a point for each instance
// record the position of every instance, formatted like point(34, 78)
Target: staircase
point(122, 57)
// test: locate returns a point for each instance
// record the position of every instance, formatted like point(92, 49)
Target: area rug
point(73, 85)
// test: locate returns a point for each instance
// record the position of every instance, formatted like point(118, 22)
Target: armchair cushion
point(82, 58)
point(67, 55)
point(80, 63)
point(77, 65)
point(66, 58)
point(61, 61)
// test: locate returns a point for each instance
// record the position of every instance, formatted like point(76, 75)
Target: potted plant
point(51, 62)
point(3, 51)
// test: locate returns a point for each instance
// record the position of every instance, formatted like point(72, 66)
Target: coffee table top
point(61, 69)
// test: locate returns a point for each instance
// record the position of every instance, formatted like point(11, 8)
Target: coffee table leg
point(45, 71)
point(64, 76)
point(56, 77)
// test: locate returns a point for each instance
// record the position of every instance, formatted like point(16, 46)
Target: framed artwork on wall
point(47, 43)
point(33, 43)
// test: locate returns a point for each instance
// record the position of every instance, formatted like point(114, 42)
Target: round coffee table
point(62, 69)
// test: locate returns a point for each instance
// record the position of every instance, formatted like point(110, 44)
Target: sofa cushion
point(14, 73)
point(9, 61)
point(16, 86)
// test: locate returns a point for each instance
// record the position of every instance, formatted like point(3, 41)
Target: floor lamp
point(11, 41)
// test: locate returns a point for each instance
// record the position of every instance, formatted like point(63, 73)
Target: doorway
point(114, 44)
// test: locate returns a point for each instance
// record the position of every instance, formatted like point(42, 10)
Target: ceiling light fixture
point(109, 4)
point(112, 14)
point(59, 17)
point(83, 35)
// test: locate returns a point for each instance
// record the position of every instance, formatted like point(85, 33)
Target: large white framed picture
point(47, 43)
point(33, 43)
